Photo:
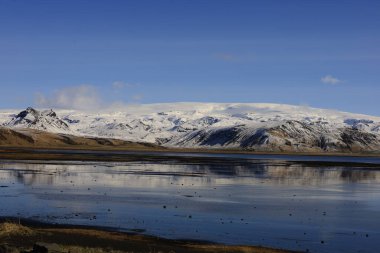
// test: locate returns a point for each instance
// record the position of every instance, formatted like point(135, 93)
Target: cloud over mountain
point(81, 97)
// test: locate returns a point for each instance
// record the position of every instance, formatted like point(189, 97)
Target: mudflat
point(148, 153)
point(40, 237)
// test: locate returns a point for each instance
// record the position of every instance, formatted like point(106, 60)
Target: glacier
point(248, 126)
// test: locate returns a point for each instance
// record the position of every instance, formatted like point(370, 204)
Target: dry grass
point(39, 139)
point(18, 238)
point(13, 229)
point(95, 250)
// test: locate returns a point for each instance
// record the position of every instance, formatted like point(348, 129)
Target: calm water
point(315, 158)
point(273, 203)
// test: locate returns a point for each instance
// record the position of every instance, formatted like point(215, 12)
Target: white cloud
point(88, 97)
point(82, 97)
point(329, 79)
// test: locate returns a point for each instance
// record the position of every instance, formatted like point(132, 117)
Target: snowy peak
point(41, 120)
point(260, 127)
point(289, 136)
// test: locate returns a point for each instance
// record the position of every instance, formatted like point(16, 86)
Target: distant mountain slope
point(35, 138)
point(291, 136)
point(263, 127)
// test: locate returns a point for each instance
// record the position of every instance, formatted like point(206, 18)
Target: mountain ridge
point(257, 127)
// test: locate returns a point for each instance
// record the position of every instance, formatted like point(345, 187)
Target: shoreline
point(161, 149)
point(53, 155)
point(23, 234)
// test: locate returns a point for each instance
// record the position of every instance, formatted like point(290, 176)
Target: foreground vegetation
point(15, 238)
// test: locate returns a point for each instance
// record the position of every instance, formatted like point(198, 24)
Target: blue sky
point(317, 53)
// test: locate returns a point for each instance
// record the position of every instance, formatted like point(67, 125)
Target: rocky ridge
point(260, 127)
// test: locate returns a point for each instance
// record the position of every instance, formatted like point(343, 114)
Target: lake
point(289, 202)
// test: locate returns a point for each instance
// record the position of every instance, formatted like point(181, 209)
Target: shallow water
point(282, 157)
point(273, 203)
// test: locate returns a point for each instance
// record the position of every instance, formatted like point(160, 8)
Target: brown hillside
point(39, 139)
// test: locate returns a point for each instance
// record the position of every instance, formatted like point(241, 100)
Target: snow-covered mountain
point(41, 120)
point(263, 127)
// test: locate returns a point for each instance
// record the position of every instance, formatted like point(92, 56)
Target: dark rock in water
point(37, 249)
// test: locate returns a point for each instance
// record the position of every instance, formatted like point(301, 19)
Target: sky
point(90, 54)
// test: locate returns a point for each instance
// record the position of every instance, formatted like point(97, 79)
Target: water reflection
point(155, 175)
point(273, 203)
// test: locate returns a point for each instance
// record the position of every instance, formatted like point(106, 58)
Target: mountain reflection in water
point(159, 174)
